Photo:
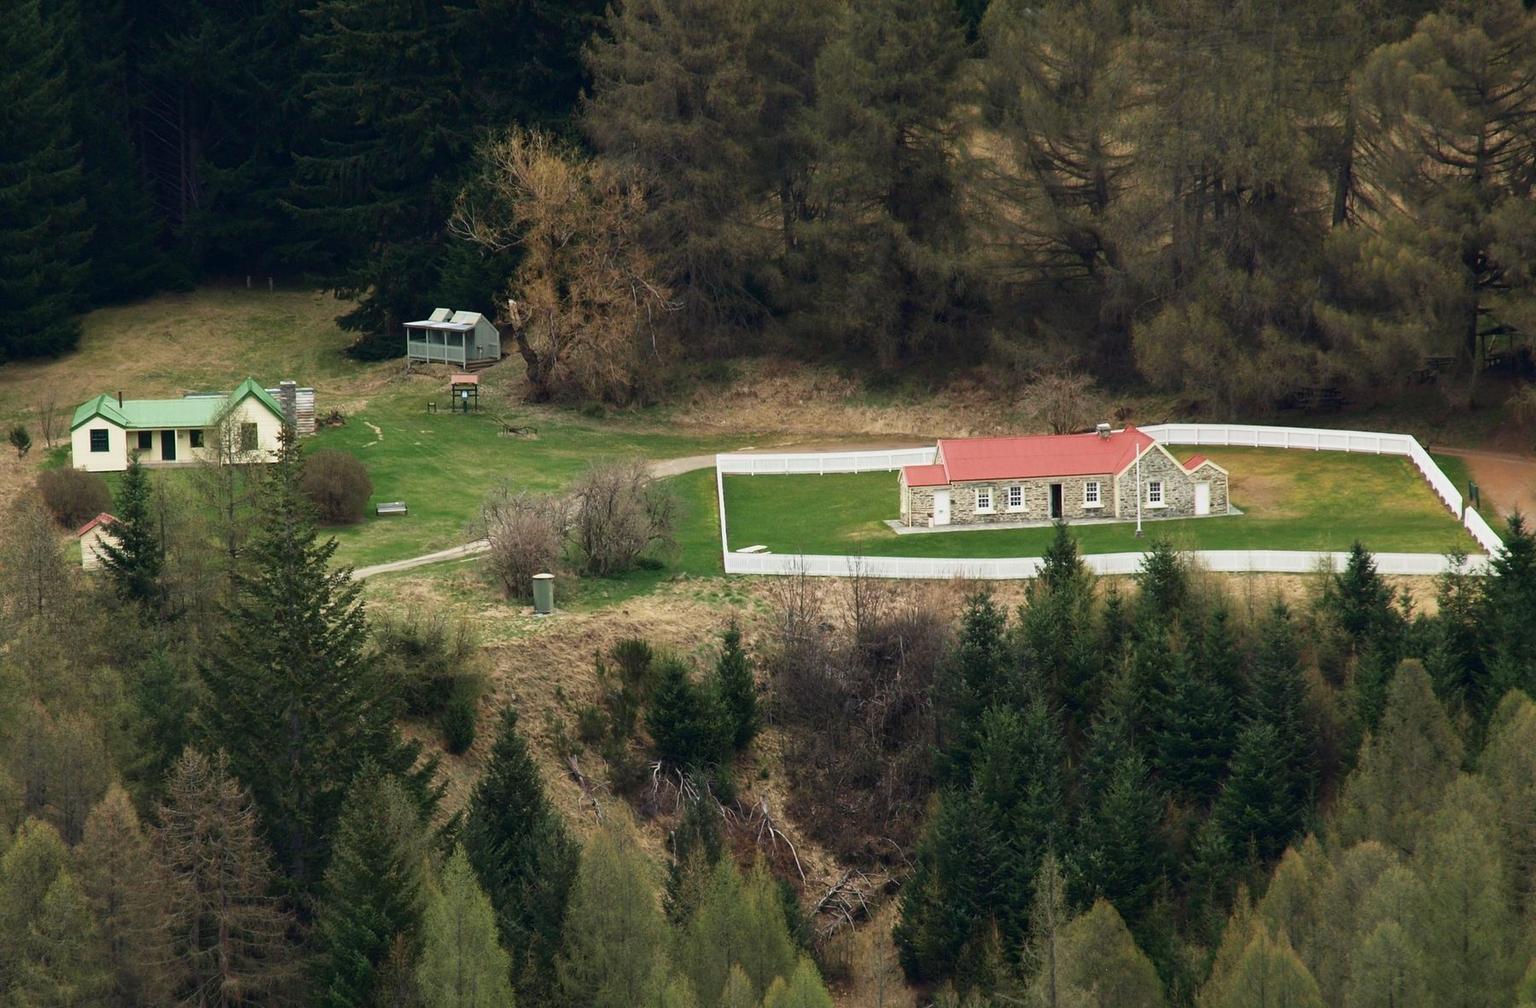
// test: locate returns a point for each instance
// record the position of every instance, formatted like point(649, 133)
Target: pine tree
point(672, 85)
point(1507, 766)
point(687, 725)
point(34, 859)
point(96, 43)
point(739, 922)
point(738, 991)
point(1260, 803)
point(1385, 970)
point(1048, 918)
point(1362, 603)
point(373, 893)
point(613, 927)
point(44, 231)
point(1415, 743)
point(1267, 974)
point(801, 989)
point(1509, 597)
point(292, 696)
point(947, 904)
point(132, 555)
point(231, 937)
point(735, 689)
point(977, 676)
point(63, 962)
point(130, 903)
point(1163, 583)
point(884, 260)
point(1120, 855)
point(523, 858)
point(462, 965)
point(1277, 696)
point(1018, 785)
point(1057, 625)
point(696, 847)
point(1464, 928)
point(1100, 965)
point(1192, 716)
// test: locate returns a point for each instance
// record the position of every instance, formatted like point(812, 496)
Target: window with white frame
point(1155, 492)
point(1015, 498)
point(983, 499)
point(1091, 496)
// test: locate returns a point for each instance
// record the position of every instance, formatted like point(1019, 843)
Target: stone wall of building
point(918, 505)
point(1178, 489)
point(1178, 496)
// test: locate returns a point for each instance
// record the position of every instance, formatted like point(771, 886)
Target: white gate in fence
point(1227, 435)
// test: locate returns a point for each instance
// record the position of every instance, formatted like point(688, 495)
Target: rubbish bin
point(543, 594)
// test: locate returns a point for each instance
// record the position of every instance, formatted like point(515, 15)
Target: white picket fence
point(1226, 435)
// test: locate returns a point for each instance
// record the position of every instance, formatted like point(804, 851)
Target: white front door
point(1202, 498)
point(941, 507)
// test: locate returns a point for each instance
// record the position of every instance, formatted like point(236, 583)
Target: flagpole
point(1138, 490)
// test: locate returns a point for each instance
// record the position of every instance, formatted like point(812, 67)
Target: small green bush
point(73, 496)
point(458, 720)
point(20, 440)
point(428, 660)
point(338, 485)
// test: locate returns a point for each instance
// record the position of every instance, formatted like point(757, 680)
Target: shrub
point(526, 532)
point(619, 514)
point(338, 485)
point(458, 721)
point(687, 727)
point(428, 659)
point(20, 440)
point(73, 496)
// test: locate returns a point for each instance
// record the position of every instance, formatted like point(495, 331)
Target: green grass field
point(443, 465)
point(1291, 500)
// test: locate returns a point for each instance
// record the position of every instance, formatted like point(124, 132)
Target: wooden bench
point(391, 508)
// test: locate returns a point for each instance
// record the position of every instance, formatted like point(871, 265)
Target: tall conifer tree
point(44, 231)
point(523, 857)
point(133, 555)
point(373, 894)
point(291, 695)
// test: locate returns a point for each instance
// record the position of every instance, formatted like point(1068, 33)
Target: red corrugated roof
point(926, 475)
point(966, 459)
point(101, 519)
point(1194, 462)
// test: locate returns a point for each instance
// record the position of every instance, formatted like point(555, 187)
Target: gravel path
point(1508, 480)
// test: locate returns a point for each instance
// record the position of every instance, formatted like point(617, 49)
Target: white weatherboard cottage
point(108, 430)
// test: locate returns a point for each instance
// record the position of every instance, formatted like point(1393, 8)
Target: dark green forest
point(218, 787)
point(1231, 201)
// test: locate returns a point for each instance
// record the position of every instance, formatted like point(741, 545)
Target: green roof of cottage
point(193, 411)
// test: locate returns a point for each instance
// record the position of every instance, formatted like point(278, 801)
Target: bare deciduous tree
point(48, 419)
point(585, 299)
point(526, 532)
point(1062, 400)
point(618, 515)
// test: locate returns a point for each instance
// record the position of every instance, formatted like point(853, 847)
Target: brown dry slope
point(1508, 480)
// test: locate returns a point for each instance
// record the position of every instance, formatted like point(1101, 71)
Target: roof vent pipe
point(1103, 430)
point(119, 398)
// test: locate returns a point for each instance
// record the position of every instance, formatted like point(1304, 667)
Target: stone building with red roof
point(1041, 478)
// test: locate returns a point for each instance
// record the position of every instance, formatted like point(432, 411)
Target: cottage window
point(1016, 498)
point(983, 499)
point(248, 437)
point(146, 440)
point(1091, 496)
point(196, 437)
point(100, 439)
point(1155, 493)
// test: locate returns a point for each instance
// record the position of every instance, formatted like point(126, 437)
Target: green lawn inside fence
point(1291, 500)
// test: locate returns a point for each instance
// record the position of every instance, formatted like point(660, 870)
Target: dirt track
point(1508, 480)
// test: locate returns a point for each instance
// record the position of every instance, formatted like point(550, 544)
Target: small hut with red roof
point(1101, 475)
